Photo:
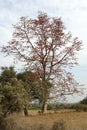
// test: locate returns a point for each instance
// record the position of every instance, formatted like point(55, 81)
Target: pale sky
point(72, 12)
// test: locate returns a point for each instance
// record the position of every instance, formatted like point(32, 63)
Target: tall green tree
point(47, 48)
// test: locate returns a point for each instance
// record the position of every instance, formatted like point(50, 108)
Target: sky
point(74, 17)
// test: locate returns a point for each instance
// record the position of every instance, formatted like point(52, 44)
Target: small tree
point(14, 98)
point(13, 95)
point(45, 46)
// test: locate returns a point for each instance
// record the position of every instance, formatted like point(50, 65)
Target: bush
point(34, 107)
point(50, 106)
point(79, 107)
point(10, 123)
point(41, 127)
point(82, 107)
point(84, 101)
point(60, 125)
point(14, 98)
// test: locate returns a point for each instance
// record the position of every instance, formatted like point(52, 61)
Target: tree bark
point(26, 111)
point(44, 107)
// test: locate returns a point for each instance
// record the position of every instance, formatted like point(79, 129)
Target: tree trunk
point(25, 111)
point(44, 107)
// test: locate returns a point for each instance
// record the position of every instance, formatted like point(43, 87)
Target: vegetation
point(84, 101)
point(48, 49)
point(53, 121)
point(13, 96)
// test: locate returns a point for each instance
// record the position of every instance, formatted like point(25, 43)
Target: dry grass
point(73, 120)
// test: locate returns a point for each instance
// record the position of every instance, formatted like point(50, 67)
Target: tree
point(7, 73)
point(13, 95)
point(34, 86)
point(30, 80)
point(14, 98)
point(48, 49)
point(84, 101)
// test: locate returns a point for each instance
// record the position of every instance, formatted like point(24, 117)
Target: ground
point(73, 120)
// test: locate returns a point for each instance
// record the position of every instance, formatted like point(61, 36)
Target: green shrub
point(82, 107)
point(50, 107)
point(14, 98)
point(34, 107)
point(79, 107)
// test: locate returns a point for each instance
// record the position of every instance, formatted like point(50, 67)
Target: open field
point(72, 121)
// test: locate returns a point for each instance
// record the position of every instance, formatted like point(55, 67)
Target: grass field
point(72, 121)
